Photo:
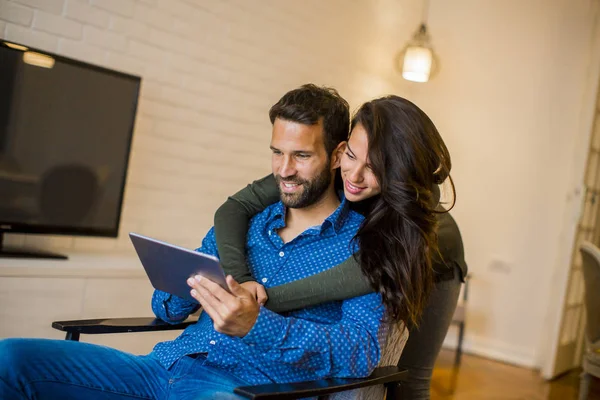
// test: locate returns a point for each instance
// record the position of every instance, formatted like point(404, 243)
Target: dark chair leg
point(72, 336)
point(392, 391)
point(584, 386)
point(461, 333)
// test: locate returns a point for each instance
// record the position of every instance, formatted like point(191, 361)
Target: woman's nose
point(356, 175)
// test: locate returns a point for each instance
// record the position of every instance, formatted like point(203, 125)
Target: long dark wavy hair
point(398, 236)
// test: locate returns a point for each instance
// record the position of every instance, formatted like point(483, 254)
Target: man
point(236, 342)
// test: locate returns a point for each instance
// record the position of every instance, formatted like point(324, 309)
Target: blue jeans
point(61, 369)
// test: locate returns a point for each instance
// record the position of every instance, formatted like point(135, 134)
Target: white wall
point(509, 102)
point(211, 70)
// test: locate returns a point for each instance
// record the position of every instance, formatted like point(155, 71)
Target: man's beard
point(311, 191)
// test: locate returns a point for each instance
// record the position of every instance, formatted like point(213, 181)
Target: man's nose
point(288, 168)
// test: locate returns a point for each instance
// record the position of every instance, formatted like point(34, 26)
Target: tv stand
point(8, 252)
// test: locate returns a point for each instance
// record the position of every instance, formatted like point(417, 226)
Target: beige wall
point(510, 101)
point(507, 100)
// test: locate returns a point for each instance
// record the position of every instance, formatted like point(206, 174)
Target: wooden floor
point(483, 379)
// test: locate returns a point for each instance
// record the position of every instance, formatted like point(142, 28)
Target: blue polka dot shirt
point(336, 339)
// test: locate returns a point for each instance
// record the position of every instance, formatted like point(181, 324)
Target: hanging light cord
point(425, 12)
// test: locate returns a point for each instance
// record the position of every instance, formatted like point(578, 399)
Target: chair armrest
point(118, 325)
point(283, 391)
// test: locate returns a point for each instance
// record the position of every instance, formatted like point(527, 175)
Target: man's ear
point(336, 156)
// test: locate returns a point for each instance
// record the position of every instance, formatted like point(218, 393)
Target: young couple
point(367, 201)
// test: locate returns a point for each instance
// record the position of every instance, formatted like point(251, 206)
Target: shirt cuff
point(268, 330)
point(175, 304)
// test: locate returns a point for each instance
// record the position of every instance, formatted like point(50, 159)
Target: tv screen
point(65, 136)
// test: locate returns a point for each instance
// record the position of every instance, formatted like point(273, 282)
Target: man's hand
point(257, 290)
point(234, 313)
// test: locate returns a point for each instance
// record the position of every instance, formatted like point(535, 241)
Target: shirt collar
point(339, 216)
point(336, 220)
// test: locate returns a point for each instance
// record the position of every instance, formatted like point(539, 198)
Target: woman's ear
point(336, 157)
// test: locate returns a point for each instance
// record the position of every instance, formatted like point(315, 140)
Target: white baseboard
point(493, 349)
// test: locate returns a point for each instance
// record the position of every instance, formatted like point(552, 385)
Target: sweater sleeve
point(232, 220)
point(341, 282)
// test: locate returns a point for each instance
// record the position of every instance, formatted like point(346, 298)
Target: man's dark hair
point(309, 103)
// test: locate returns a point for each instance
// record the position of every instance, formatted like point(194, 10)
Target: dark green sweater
point(341, 282)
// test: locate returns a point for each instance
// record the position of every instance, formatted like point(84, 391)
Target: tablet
point(168, 266)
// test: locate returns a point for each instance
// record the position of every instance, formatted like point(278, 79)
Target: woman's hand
point(258, 290)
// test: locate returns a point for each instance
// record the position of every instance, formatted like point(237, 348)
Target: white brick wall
point(40, 40)
point(80, 10)
point(53, 6)
point(16, 13)
point(57, 25)
point(121, 7)
point(108, 40)
point(211, 70)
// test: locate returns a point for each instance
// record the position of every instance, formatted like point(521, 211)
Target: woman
point(391, 167)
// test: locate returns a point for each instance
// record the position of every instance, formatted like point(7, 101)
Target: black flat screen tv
point(65, 137)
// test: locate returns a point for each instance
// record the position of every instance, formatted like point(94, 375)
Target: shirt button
point(269, 233)
point(281, 254)
point(212, 342)
point(264, 280)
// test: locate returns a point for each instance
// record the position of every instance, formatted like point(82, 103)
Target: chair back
point(590, 255)
point(397, 336)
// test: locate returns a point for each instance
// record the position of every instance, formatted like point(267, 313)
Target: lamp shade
point(417, 62)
